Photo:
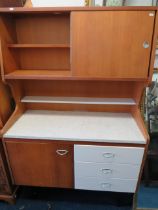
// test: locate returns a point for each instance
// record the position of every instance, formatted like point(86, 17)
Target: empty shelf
point(38, 74)
point(78, 100)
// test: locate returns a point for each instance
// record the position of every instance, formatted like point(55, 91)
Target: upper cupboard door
point(112, 43)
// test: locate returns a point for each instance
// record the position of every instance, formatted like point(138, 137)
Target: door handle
point(106, 171)
point(108, 155)
point(146, 45)
point(105, 185)
point(62, 152)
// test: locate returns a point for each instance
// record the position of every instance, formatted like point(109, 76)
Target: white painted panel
point(77, 126)
point(106, 170)
point(57, 3)
point(114, 185)
point(107, 154)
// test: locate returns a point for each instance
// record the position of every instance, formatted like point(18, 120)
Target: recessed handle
point(108, 155)
point(62, 152)
point(106, 171)
point(146, 45)
point(105, 185)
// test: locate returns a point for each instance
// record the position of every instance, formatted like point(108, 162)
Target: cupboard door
point(112, 44)
point(41, 164)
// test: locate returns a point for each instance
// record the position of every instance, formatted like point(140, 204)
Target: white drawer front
point(108, 154)
point(115, 185)
point(106, 170)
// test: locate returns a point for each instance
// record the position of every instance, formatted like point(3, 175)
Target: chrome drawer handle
point(105, 185)
point(106, 171)
point(108, 155)
point(62, 152)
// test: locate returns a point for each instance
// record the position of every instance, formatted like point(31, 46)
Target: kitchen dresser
point(7, 191)
point(77, 76)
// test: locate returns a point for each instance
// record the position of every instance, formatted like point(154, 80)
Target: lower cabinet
point(41, 164)
point(69, 165)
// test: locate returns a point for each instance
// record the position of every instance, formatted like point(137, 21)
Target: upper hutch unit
point(77, 43)
point(77, 76)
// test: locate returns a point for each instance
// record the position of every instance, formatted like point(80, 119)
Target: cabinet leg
point(11, 199)
point(146, 173)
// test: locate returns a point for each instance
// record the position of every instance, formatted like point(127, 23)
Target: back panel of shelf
point(43, 29)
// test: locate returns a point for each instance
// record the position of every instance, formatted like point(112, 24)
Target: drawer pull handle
point(146, 45)
point(106, 171)
point(105, 185)
point(108, 155)
point(62, 152)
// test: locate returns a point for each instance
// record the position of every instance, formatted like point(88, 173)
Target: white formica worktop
point(77, 126)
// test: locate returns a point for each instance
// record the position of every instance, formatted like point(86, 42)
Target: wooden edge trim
point(142, 166)
point(153, 49)
point(14, 117)
point(40, 141)
point(1, 124)
point(7, 158)
point(80, 8)
point(138, 118)
point(16, 114)
point(10, 198)
point(1, 62)
point(5, 169)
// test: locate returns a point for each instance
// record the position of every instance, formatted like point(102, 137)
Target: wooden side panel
point(109, 44)
point(7, 35)
point(155, 38)
point(5, 182)
point(38, 164)
point(5, 104)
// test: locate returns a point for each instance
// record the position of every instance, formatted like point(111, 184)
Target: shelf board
point(38, 45)
point(78, 100)
point(38, 74)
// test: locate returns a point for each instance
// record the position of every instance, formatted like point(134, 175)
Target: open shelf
point(38, 45)
point(38, 74)
point(78, 100)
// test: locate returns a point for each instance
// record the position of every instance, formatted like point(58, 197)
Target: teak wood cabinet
point(77, 77)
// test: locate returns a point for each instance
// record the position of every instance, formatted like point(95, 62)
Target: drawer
point(100, 184)
point(106, 170)
point(108, 154)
